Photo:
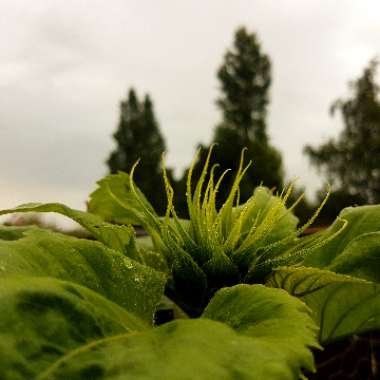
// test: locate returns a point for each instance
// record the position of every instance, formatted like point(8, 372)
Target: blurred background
point(88, 87)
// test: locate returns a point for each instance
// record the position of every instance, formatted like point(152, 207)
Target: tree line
point(350, 162)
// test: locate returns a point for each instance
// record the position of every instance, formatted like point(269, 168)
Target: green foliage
point(39, 253)
point(341, 280)
point(73, 333)
point(45, 319)
point(258, 311)
point(349, 161)
point(120, 238)
point(138, 137)
point(361, 223)
point(77, 309)
point(342, 305)
point(52, 328)
point(215, 248)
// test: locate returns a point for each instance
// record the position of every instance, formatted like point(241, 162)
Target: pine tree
point(138, 137)
point(351, 161)
point(245, 77)
point(245, 80)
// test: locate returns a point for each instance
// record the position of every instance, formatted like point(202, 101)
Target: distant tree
point(351, 161)
point(138, 137)
point(245, 79)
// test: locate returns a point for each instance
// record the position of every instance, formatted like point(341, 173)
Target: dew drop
point(128, 264)
point(137, 279)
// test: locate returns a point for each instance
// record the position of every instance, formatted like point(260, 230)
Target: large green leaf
point(117, 237)
point(360, 220)
point(265, 313)
point(184, 349)
point(44, 319)
point(248, 347)
point(257, 310)
point(42, 253)
point(342, 305)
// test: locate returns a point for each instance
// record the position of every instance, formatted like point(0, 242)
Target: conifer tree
point(245, 78)
point(138, 137)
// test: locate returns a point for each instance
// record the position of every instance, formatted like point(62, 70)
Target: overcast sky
point(65, 66)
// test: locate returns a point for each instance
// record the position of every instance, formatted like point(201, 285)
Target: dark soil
point(355, 358)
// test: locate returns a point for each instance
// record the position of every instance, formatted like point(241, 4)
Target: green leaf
point(203, 349)
point(43, 253)
point(341, 305)
point(150, 255)
point(119, 200)
point(267, 314)
point(120, 238)
point(361, 220)
point(116, 201)
point(360, 258)
point(154, 259)
point(44, 319)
